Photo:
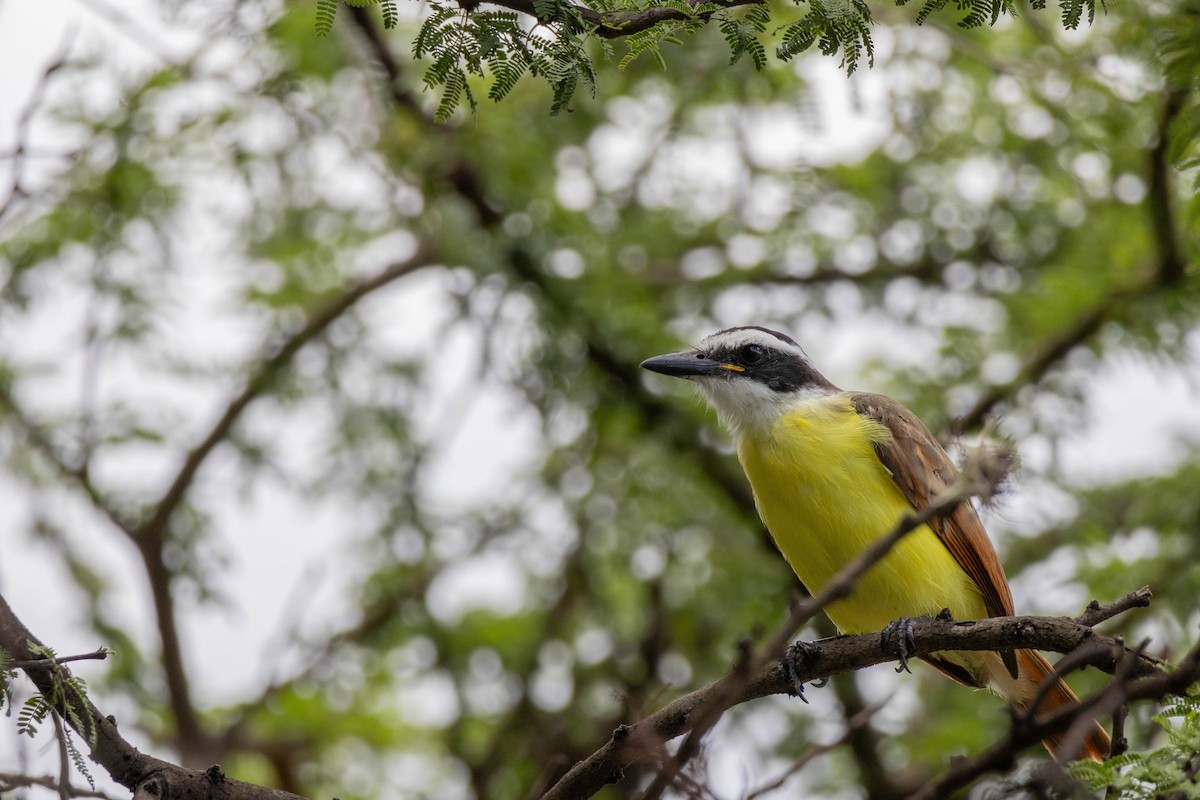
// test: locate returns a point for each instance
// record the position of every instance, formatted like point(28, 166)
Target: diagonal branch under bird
point(629, 743)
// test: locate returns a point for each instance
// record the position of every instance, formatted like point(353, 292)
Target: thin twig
point(36, 98)
point(261, 379)
point(1125, 688)
point(1046, 356)
point(1108, 700)
point(1120, 743)
point(49, 663)
point(1081, 656)
point(10, 781)
point(854, 724)
point(128, 26)
point(37, 437)
point(64, 759)
point(1168, 269)
point(1095, 613)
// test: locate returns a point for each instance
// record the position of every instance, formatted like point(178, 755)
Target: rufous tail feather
point(1033, 670)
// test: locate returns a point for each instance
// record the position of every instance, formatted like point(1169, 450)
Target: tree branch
point(1171, 264)
point(400, 94)
point(1042, 360)
point(77, 474)
point(856, 723)
point(46, 663)
point(1095, 613)
point(263, 377)
point(151, 535)
point(10, 781)
point(144, 775)
point(1168, 270)
point(628, 744)
point(16, 190)
point(1131, 684)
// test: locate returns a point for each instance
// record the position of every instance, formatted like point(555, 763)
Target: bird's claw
point(906, 641)
point(796, 652)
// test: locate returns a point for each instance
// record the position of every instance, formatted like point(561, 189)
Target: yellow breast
point(824, 495)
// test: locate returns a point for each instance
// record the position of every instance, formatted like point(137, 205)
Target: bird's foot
point(800, 651)
point(906, 641)
point(797, 653)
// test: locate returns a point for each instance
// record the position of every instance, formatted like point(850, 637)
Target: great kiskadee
point(832, 471)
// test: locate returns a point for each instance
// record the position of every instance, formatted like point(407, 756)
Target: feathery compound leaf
point(33, 713)
point(77, 759)
point(978, 12)
point(391, 14)
point(1072, 12)
point(1003, 7)
point(741, 33)
point(434, 31)
point(439, 71)
point(325, 13)
point(467, 93)
point(1162, 772)
point(684, 9)
point(86, 725)
point(930, 7)
point(507, 71)
point(568, 65)
point(42, 651)
point(587, 74)
point(494, 45)
point(833, 25)
point(798, 37)
point(564, 90)
point(454, 82)
point(647, 41)
point(547, 10)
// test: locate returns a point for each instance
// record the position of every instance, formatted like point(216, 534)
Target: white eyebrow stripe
point(740, 337)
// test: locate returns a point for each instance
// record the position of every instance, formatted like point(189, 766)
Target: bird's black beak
point(688, 364)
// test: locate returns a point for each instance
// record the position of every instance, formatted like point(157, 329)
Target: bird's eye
point(752, 354)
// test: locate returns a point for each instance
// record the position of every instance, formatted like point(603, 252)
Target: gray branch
point(632, 745)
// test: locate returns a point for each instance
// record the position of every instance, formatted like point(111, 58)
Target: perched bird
point(832, 471)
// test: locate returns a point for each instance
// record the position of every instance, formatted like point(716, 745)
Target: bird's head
point(750, 375)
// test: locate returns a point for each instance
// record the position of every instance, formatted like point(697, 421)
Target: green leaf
point(325, 13)
point(391, 14)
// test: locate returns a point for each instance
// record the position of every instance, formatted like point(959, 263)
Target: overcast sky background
point(1143, 416)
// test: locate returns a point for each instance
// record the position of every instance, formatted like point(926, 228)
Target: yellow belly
point(824, 495)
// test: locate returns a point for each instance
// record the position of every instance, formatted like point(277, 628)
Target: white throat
point(749, 408)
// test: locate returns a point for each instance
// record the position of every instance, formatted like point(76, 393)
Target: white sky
point(1139, 411)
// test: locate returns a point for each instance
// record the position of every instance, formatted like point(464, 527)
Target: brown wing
point(921, 468)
